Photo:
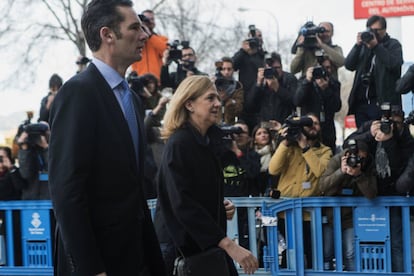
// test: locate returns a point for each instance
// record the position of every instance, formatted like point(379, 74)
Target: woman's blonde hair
point(177, 114)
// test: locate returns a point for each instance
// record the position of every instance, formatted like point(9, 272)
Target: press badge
point(306, 185)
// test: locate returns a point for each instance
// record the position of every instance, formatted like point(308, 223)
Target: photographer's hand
point(165, 57)
point(42, 142)
point(22, 140)
point(230, 209)
point(302, 141)
point(343, 163)
point(260, 76)
point(359, 40)
point(273, 84)
point(300, 40)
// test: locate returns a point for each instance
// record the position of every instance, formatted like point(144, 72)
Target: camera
point(319, 73)
point(295, 126)
point(143, 18)
point(309, 31)
point(252, 30)
point(366, 79)
point(175, 53)
point(367, 35)
point(269, 73)
point(353, 158)
point(175, 49)
point(226, 85)
point(386, 120)
point(34, 132)
point(229, 130)
point(253, 42)
point(410, 119)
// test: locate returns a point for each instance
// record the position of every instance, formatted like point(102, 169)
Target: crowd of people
point(266, 133)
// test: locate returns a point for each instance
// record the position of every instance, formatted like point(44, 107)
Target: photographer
point(55, 82)
point(153, 50)
point(273, 94)
point(300, 160)
point(33, 160)
point(312, 43)
point(377, 60)
point(230, 91)
point(185, 60)
point(349, 173)
point(247, 60)
point(319, 93)
point(391, 145)
point(11, 182)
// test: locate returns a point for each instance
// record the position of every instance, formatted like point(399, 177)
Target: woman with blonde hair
point(191, 208)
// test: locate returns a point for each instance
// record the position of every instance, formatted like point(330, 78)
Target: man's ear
point(107, 34)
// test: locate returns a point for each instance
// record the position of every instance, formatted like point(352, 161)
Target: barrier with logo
point(29, 235)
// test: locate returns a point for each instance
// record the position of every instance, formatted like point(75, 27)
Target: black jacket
point(95, 183)
point(406, 83)
point(273, 105)
point(247, 65)
point(190, 192)
point(310, 98)
point(386, 72)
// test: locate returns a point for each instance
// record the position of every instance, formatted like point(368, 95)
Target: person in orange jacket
point(153, 50)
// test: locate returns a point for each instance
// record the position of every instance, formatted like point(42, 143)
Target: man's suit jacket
point(96, 183)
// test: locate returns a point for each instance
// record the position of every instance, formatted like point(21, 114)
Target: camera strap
point(371, 69)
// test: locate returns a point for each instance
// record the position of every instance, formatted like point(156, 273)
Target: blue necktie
point(129, 113)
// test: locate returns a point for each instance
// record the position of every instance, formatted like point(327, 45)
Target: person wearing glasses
point(376, 59)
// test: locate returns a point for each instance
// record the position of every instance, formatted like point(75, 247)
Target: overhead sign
point(386, 8)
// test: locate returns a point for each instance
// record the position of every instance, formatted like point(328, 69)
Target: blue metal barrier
point(36, 243)
point(34, 234)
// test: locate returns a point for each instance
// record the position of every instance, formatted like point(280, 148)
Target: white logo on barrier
point(36, 222)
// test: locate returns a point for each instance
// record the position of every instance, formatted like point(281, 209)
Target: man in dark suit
point(97, 149)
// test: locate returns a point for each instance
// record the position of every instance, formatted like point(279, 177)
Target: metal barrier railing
point(29, 235)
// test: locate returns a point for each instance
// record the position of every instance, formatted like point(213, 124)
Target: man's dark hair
point(227, 59)
point(148, 11)
point(376, 18)
point(276, 57)
point(55, 81)
point(101, 13)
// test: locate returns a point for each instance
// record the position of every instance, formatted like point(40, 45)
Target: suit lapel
point(111, 105)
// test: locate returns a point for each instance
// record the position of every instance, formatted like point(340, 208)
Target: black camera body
point(367, 36)
point(34, 132)
point(229, 129)
point(353, 159)
point(176, 46)
point(309, 31)
point(386, 119)
point(319, 73)
point(295, 126)
point(269, 73)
